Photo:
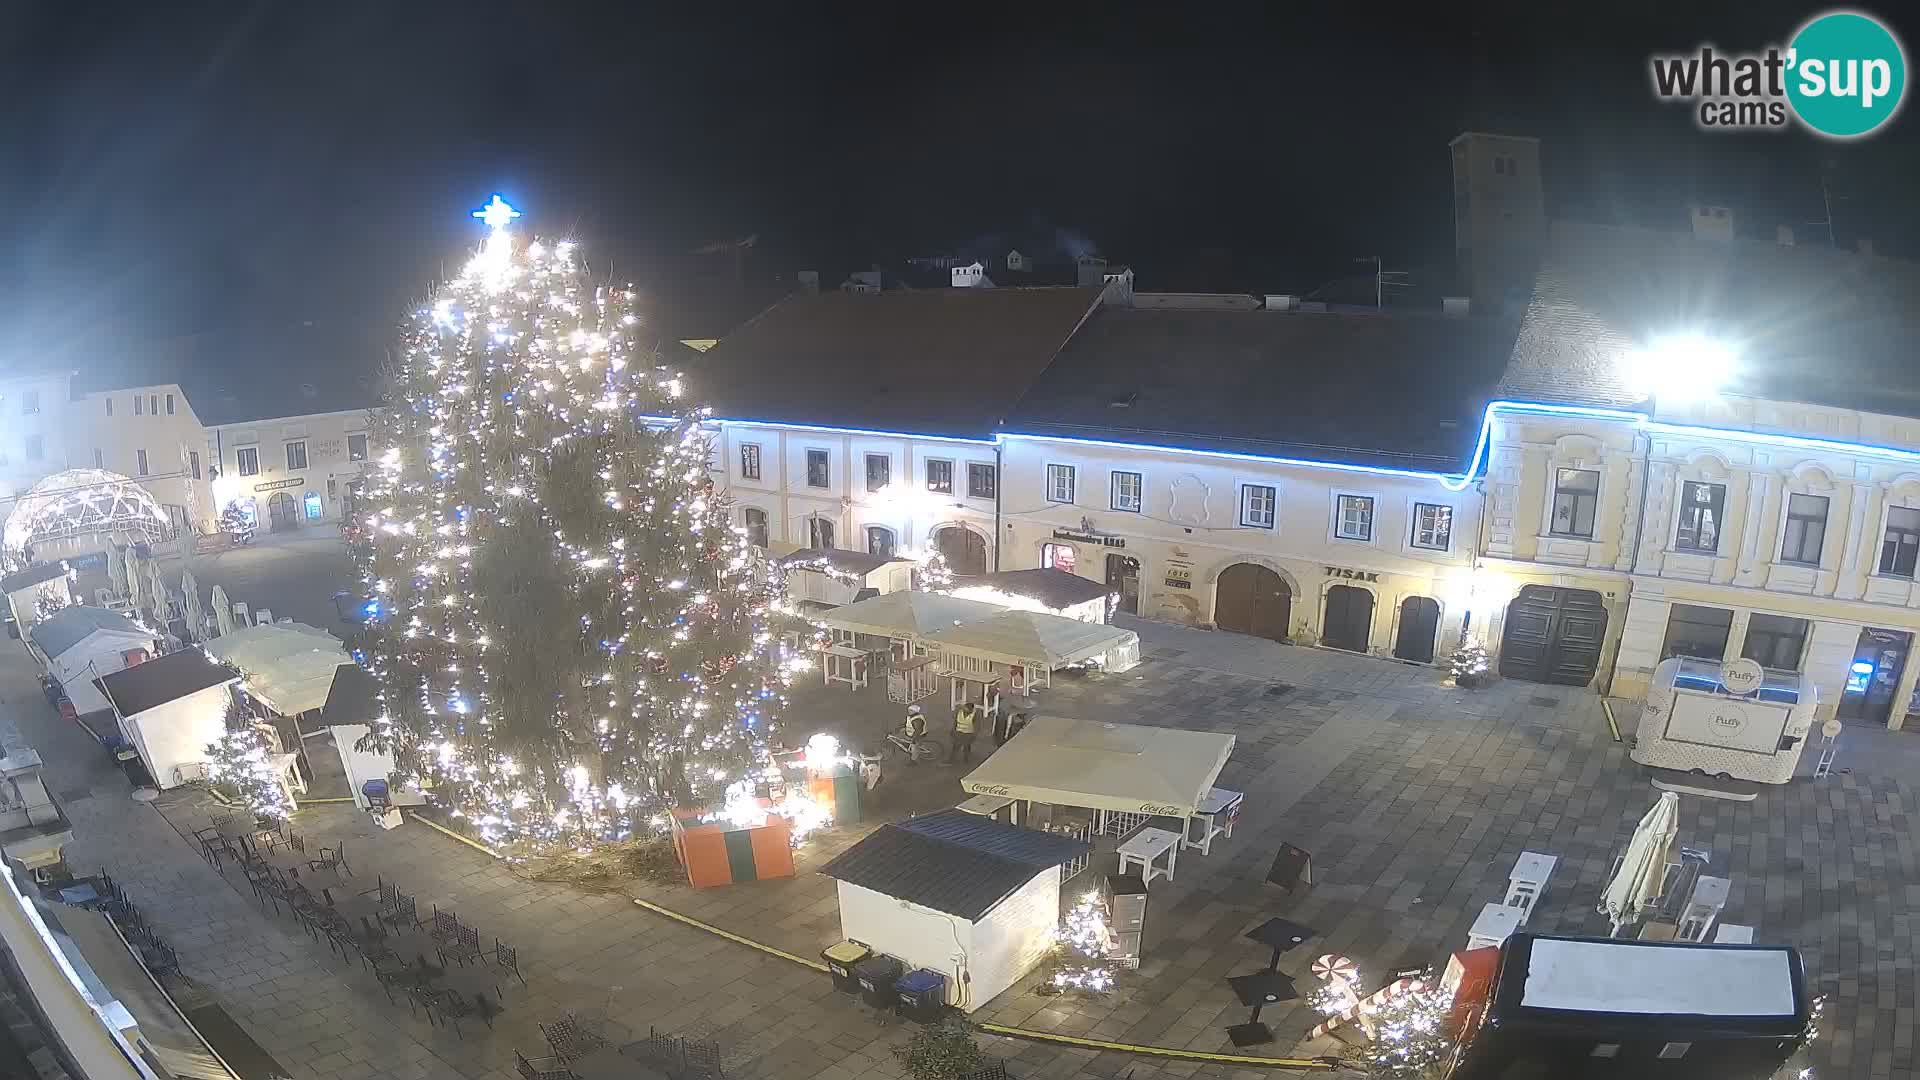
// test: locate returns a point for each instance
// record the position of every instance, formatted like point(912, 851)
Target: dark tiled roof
point(1055, 588)
point(847, 562)
point(933, 362)
point(1809, 323)
point(1384, 389)
point(171, 677)
point(71, 625)
point(959, 863)
point(32, 575)
point(352, 698)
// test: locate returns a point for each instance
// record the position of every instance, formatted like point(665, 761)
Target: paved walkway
point(1414, 800)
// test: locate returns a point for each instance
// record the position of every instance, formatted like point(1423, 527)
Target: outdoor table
point(1216, 814)
point(608, 1063)
point(1146, 846)
point(844, 663)
point(1495, 924)
point(355, 908)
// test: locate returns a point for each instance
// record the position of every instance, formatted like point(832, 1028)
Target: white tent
point(1126, 767)
point(909, 616)
point(1039, 641)
point(288, 670)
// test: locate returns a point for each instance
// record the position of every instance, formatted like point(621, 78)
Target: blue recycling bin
point(922, 996)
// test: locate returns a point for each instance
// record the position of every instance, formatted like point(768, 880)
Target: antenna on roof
point(1826, 203)
point(1384, 279)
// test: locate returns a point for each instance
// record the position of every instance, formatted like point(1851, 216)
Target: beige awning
point(289, 668)
point(909, 615)
point(1127, 767)
point(1032, 638)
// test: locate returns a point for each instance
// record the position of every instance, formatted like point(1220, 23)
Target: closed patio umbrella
point(135, 586)
point(117, 571)
point(1643, 869)
point(190, 596)
point(159, 589)
point(222, 611)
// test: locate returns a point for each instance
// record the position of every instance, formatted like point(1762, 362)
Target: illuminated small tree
point(242, 761)
point(1470, 665)
point(1081, 943)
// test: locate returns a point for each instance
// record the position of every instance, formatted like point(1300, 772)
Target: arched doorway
point(1349, 620)
point(282, 513)
point(1553, 635)
point(1419, 622)
point(1251, 599)
point(966, 550)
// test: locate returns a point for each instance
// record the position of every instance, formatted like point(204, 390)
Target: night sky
point(225, 189)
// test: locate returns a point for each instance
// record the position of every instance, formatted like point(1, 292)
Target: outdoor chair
point(464, 947)
point(453, 1007)
point(546, 1069)
point(124, 913)
point(508, 957)
point(292, 841)
point(445, 928)
point(422, 995)
point(405, 913)
point(161, 959)
point(569, 1041)
point(701, 1059)
point(332, 858)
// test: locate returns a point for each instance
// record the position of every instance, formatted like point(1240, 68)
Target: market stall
point(170, 709)
point(83, 643)
point(1048, 590)
point(964, 895)
point(351, 707)
point(1020, 649)
point(1734, 720)
point(833, 578)
point(289, 667)
point(904, 618)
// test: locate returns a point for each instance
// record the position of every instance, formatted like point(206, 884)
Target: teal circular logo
point(1847, 74)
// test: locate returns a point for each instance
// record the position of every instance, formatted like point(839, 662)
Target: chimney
point(1783, 235)
point(809, 281)
point(1279, 302)
point(971, 276)
point(1455, 306)
point(1119, 288)
point(1092, 270)
point(1713, 223)
point(1865, 244)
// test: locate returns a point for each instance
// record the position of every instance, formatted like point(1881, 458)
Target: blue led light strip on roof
point(1448, 481)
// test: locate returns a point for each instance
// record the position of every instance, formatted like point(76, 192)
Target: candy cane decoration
point(1334, 966)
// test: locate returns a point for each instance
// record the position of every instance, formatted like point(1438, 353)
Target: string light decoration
point(1411, 1036)
point(932, 574)
point(1469, 664)
point(572, 638)
point(1083, 939)
point(243, 760)
point(81, 502)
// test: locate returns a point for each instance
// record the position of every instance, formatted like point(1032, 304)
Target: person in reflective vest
point(964, 722)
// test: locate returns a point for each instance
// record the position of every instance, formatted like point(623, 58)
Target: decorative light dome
point(81, 501)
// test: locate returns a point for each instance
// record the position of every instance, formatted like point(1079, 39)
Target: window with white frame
point(1126, 492)
point(1353, 517)
point(940, 476)
point(1806, 531)
point(879, 472)
point(1432, 526)
point(755, 519)
point(1776, 641)
point(139, 461)
point(880, 541)
point(246, 459)
point(819, 471)
point(1900, 547)
point(1701, 508)
point(982, 480)
point(356, 448)
point(749, 461)
point(1060, 483)
point(1257, 502)
point(1576, 498)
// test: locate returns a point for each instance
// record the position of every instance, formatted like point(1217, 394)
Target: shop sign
point(1160, 809)
point(1001, 790)
point(276, 485)
point(1179, 576)
point(1089, 538)
point(1353, 575)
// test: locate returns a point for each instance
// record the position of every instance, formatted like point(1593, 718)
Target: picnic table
point(1145, 848)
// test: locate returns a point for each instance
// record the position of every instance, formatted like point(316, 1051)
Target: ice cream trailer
point(1734, 720)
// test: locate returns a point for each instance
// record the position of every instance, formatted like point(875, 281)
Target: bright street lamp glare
point(1686, 367)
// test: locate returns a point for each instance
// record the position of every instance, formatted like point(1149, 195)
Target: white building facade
point(291, 472)
point(151, 434)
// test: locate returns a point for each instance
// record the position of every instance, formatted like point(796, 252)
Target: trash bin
point(922, 996)
point(841, 957)
point(877, 974)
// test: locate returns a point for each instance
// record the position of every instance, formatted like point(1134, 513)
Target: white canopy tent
point(1124, 768)
point(288, 668)
point(1035, 643)
point(905, 616)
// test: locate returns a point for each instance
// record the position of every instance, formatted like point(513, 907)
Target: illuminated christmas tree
point(567, 629)
point(242, 762)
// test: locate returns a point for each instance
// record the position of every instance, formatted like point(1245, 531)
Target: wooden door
point(1419, 623)
point(1553, 635)
point(1251, 599)
point(966, 550)
point(282, 513)
point(1349, 620)
point(1123, 577)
